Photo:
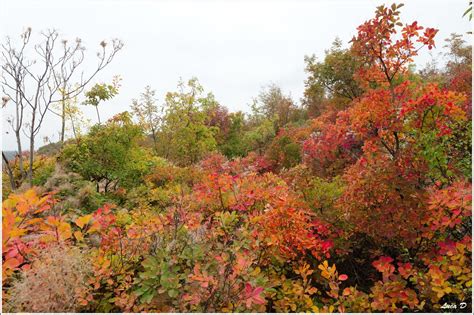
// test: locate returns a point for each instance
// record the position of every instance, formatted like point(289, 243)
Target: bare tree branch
point(35, 84)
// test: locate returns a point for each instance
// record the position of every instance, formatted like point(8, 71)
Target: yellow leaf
point(43, 199)
point(47, 238)
point(78, 235)
point(256, 271)
point(17, 232)
point(94, 227)
point(82, 221)
point(30, 194)
point(325, 275)
point(64, 230)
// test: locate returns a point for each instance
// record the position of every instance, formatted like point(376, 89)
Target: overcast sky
point(233, 47)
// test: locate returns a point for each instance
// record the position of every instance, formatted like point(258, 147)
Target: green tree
point(184, 135)
point(233, 144)
point(332, 78)
point(284, 152)
point(272, 104)
point(110, 154)
point(101, 92)
point(259, 136)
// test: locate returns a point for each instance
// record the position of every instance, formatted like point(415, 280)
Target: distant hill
point(10, 155)
point(50, 149)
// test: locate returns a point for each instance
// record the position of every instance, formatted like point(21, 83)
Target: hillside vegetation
point(359, 200)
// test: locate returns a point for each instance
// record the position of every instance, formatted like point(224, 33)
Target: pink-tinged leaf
point(26, 267)
point(343, 277)
point(252, 295)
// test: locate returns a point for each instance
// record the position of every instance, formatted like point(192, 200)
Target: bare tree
point(35, 84)
point(13, 64)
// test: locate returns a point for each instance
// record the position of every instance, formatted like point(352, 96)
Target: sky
point(234, 48)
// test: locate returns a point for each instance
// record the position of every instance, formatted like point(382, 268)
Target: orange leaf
point(11, 263)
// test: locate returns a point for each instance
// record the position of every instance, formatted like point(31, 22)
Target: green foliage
point(43, 167)
point(273, 105)
point(259, 136)
point(233, 145)
point(44, 170)
point(99, 93)
point(284, 152)
point(325, 193)
point(334, 77)
point(148, 114)
point(110, 153)
point(50, 149)
point(184, 136)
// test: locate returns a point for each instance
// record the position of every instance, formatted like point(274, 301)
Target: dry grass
point(51, 284)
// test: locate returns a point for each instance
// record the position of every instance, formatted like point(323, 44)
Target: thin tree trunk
point(20, 156)
point(98, 116)
point(73, 129)
point(63, 120)
point(30, 169)
point(32, 149)
point(155, 141)
point(10, 172)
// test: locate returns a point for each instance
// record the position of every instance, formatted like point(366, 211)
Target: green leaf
point(147, 297)
point(173, 293)
point(140, 291)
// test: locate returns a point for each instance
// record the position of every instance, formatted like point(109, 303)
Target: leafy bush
point(109, 154)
